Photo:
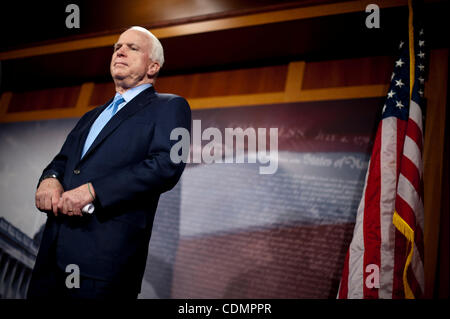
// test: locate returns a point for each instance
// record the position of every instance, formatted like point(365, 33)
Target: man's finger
point(42, 203)
point(66, 207)
point(60, 204)
point(48, 203)
point(70, 207)
point(77, 212)
point(38, 203)
point(55, 200)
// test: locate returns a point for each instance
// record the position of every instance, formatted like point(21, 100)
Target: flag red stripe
point(406, 212)
point(413, 284)
point(411, 173)
point(415, 133)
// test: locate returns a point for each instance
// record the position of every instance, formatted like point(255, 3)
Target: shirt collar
point(130, 94)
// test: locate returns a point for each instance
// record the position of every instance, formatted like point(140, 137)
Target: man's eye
point(134, 49)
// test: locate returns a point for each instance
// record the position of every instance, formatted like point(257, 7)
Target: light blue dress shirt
point(109, 112)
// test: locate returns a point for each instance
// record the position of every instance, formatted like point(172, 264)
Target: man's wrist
point(47, 175)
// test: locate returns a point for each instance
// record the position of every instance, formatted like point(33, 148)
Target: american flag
point(386, 254)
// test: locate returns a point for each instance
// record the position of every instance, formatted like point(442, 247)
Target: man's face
point(130, 61)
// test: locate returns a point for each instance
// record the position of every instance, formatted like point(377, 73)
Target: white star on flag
point(421, 67)
point(384, 108)
point(399, 83)
point(399, 104)
point(421, 79)
point(399, 63)
point(421, 43)
point(401, 44)
point(421, 32)
point(420, 92)
point(391, 94)
point(421, 54)
point(392, 76)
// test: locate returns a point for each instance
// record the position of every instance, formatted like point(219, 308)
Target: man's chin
point(118, 77)
point(123, 82)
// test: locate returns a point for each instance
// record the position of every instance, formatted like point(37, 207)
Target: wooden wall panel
point(433, 156)
point(101, 93)
point(222, 83)
point(210, 84)
point(348, 72)
point(47, 99)
point(441, 281)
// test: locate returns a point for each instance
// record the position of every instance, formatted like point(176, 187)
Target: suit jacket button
point(76, 171)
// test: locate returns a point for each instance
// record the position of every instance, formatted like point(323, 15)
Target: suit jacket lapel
point(87, 126)
point(137, 103)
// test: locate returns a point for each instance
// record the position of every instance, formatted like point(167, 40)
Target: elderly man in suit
point(117, 157)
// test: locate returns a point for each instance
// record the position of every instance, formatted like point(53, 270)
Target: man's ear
point(153, 69)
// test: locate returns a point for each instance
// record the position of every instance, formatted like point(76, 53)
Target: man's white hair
point(156, 52)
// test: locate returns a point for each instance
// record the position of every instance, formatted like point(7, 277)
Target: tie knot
point(117, 100)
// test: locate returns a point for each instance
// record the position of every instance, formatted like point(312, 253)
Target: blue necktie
point(101, 121)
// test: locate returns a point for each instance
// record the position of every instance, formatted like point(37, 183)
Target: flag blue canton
point(421, 58)
point(397, 100)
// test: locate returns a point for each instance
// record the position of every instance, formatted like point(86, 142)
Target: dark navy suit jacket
point(129, 167)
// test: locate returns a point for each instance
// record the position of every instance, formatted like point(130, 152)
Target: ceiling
point(44, 21)
point(326, 37)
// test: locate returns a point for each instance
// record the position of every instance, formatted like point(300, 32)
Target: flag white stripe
point(417, 268)
point(408, 193)
point(387, 205)
point(412, 152)
point(355, 278)
point(415, 114)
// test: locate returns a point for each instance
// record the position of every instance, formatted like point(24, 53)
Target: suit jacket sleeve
point(156, 173)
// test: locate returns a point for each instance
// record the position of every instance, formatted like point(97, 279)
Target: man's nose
point(121, 51)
